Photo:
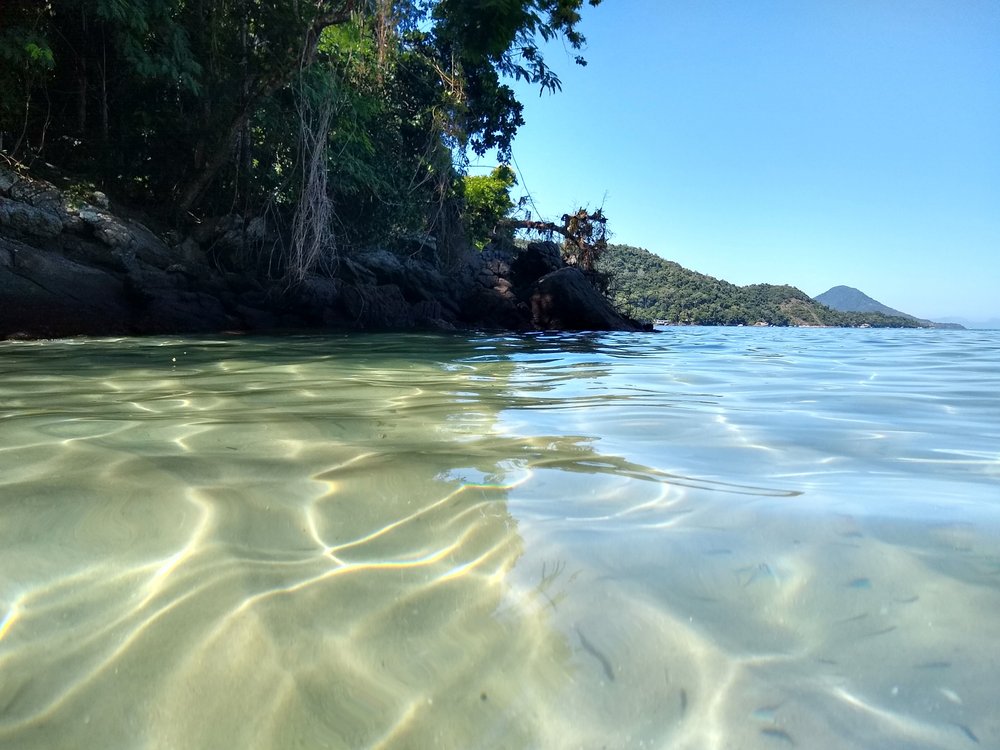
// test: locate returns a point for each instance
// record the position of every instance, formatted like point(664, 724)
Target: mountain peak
point(849, 299)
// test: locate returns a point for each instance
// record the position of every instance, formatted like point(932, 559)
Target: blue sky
point(809, 142)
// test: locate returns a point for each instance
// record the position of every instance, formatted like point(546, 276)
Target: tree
point(341, 120)
point(26, 62)
point(175, 95)
point(487, 203)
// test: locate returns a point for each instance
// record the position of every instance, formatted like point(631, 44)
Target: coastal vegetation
point(648, 287)
point(345, 121)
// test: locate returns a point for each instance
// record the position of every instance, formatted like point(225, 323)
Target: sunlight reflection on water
point(693, 539)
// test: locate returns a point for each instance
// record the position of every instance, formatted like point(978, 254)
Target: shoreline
point(84, 266)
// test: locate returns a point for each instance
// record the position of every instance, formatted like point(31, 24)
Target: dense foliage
point(487, 203)
point(350, 112)
point(647, 287)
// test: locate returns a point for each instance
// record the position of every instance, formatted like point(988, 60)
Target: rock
point(131, 239)
point(316, 295)
point(29, 220)
point(7, 180)
point(534, 261)
point(240, 283)
point(386, 308)
point(105, 227)
point(190, 252)
point(183, 311)
point(46, 294)
point(89, 252)
point(336, 303)
point(417, 280)
point(257, 319)
point(565, 300)
point(36, 193)
point(148, 247)
point(68, 269)
point(491, 309)
point(385, 265)
point(423, 247)
point(144, 282)
point(501, 283)
point(355, 273)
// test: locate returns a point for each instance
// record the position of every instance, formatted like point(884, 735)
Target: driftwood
point(585, 234)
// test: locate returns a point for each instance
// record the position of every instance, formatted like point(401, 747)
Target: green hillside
point(648, 287)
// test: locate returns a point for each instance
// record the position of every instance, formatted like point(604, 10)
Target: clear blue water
point(700, 538)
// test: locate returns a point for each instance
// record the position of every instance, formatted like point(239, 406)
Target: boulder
point(69, 267)
point(354, 273)
point(386, 266)
point(46, 294)
point(183, 311)
point(566, 300)
point(417, 279)
point(29, 220)
point(534, 261)
point(127, 238)
point(106, 228)
point(27, 190)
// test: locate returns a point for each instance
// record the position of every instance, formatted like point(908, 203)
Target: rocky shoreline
point(75, 264)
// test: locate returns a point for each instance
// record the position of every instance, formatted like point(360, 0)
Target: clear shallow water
point(703, 538)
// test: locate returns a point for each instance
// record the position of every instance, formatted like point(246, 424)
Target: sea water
point(696, 538)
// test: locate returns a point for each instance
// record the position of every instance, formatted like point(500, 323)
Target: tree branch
point(541, 226)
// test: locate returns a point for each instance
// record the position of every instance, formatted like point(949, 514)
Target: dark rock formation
point(84, 268)
point(531, 288)
point(566, 300)
point(44, 293)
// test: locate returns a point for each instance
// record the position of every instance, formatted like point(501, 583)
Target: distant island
point(647, 287)
point(849, 299)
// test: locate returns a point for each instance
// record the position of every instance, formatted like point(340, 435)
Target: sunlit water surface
point(701, 538)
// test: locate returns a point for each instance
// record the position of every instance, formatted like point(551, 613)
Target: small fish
point(968, 733)
point(591, 649)
point(883, 631)
point(684, 701)
point(933, 665)
point(777, 733)
point(860, 583)
point(852, 619)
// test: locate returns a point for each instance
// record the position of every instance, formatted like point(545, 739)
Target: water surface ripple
point(700, 538)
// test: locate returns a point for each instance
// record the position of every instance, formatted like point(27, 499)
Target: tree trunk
point(81, 77)
point(194, 189)
point(258, 90)
point(104, 89)
point(541, 226)
point(81, 96)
